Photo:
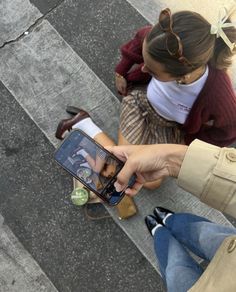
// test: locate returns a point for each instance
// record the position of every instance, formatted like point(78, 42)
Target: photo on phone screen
point(90, 163)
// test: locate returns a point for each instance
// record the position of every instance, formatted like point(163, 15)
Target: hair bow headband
point(218, 27)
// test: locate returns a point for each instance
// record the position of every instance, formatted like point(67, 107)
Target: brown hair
point(199, 45)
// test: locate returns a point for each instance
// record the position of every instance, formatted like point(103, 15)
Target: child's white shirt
point(174, 101)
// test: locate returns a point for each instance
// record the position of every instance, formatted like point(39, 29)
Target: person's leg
point(198, 234)
point(178, 269)
point(153, 185)
point(104, 139)
point(82, 120)
point(121, 139)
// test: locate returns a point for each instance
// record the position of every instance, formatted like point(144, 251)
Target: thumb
point(123, 177)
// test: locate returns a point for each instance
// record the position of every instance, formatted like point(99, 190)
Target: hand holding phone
point(92, 165)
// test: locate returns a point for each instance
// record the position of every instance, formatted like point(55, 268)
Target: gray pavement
point(67, 56)
point(76, 253)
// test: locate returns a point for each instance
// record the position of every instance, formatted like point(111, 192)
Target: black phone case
point(116, 197)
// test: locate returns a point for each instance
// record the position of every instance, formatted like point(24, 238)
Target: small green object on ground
point(79, 196)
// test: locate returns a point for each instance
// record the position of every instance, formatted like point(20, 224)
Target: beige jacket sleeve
point(209, 172)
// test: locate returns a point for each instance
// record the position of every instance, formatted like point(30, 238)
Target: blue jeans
point(203, 237)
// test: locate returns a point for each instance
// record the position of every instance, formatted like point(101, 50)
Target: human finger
point(124, 176)
point(118, 151)
point(132, 191)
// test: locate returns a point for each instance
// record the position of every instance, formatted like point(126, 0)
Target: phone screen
point(95, 167)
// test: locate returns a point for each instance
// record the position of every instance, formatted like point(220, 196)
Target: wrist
point(174, 158)
point(119, 76)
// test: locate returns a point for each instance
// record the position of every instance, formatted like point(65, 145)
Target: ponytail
point(222, 55)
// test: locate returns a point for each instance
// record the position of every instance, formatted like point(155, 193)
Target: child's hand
point(121, 84)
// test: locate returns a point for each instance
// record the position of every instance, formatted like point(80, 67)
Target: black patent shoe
point(151, 222)
point(160, 213)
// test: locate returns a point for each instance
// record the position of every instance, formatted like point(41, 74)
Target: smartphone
point(92, 165)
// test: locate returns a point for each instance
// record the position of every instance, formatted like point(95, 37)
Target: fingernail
point(118, 187)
